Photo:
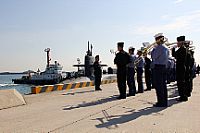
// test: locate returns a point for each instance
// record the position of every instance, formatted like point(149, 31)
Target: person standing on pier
point(188, 74)
point(131, 73)
point(121, 60)
point(147, 71)
point(198, 70)
point(97, 73)
point(160, 55)
point(140, 65)
point(180, 56)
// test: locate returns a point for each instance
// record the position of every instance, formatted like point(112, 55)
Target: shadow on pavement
point(93, 103)
point(115, 120)
point(82, 92)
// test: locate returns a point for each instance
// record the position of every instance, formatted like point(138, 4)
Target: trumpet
point(112, 51)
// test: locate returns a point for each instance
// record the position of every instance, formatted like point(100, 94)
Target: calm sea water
point(6, 83)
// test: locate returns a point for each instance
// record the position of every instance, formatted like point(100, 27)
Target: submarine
point(88, 70)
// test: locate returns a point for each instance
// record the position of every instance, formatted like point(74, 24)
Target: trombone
point(147, 48)
point(187, 43)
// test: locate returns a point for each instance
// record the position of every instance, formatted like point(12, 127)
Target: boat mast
point(47, 50)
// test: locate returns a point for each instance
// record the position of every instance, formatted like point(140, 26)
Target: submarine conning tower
point(89, 60)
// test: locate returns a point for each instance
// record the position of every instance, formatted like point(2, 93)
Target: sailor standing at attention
point(180, 56)
point(160, 55)
point(131, 73)
point(147, 71)
point(121, 60)
point(97, 73)
point(140, 65)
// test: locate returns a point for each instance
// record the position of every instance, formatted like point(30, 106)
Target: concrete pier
point(85, 110)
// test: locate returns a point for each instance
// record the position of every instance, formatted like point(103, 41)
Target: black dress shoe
point(98, 89)
point(159, 105)
point(189, 95)
point(129, 95)
point(182, 99)
point(121, 97)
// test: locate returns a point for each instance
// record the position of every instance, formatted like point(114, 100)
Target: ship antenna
point(48, 56)
point(88, 52)
point(91, 49)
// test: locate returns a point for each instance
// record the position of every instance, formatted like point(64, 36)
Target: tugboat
point(53, 74)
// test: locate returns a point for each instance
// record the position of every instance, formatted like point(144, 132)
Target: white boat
point(53, 74)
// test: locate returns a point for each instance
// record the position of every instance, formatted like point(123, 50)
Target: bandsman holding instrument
point(139, 63)
point(180, 56)
point(147, 67)
point(160, 55)
point(147, 71)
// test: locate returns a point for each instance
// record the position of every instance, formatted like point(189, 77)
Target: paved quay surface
point(87, 111)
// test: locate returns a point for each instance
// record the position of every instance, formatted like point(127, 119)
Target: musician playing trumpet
point(160, 55)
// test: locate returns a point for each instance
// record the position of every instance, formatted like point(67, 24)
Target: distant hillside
point(11, 73)
point(29, 71)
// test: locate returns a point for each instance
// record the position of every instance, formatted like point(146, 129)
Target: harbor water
point(6, 83)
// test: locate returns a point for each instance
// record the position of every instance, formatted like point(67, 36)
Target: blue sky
point(27, 27)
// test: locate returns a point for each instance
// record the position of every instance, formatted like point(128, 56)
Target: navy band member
point(97, 73)
point(121, 60)
point(180, 56)
point(140, 66)
point(192, 75)
point(160, 55)
point(173, 69)
point(169, 63)
point(147, 71)
point(188, 74)
point(198, 70)
point(131, 73)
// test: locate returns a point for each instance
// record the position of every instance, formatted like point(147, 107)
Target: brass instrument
point(148, 48)
point(171, 45)
point(136, 62)
point(112, 51)
point(192, 48)
point(187, 42)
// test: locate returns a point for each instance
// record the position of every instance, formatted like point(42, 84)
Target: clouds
point(189, 22)
point(178, 1)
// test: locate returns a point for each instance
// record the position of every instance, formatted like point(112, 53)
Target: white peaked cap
point(158, 35)
point(145, 44)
